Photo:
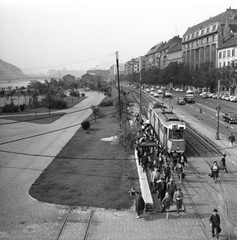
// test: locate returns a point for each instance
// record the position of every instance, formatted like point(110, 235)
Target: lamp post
point(218, 108)
point(140, 96)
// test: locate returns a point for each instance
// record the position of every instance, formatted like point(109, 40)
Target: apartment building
point(200, 42)
point(227, 53)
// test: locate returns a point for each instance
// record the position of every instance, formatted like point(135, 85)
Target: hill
point(10, 72)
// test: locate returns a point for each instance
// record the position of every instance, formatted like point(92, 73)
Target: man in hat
point(215, 224)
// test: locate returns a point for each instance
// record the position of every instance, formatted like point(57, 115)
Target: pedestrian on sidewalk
point(171, 188)
point(175, 157)
point(180, 172)
point(232, 140)
point(144, 160)
point(155, 176)
point(161, 189)
point(167, 172)
point(223, 162)
point(178, 198)
point(215, 224)
point(166, 203)
point(139, 204)
point(183, 159)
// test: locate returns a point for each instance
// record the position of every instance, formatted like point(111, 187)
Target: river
point(18, 83)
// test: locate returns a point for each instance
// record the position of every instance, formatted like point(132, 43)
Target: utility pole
point(140, 96)
point(218, 108)
point(117, 64)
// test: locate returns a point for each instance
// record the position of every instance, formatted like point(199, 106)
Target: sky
point(38, 35)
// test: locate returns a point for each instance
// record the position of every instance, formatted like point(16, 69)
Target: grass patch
point(88, 171)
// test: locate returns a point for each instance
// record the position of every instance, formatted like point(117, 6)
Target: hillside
point(10, 72)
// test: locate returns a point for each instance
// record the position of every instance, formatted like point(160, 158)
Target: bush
point(59, 104)
point(22, 107)
point(86, 125)
point(83, 94)
point(10, 108)
point(106, 104)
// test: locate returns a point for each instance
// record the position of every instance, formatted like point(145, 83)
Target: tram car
point(168, 128)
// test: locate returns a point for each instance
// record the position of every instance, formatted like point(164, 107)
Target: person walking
point(232, 140)
point(155, 176)
point(183, 159)
point(139, 204)
point(144, 161)
point(215, 171)
point(167, 172)
point(166, 203)
point(171, 188)
point(178, 198)
point(215, 222)
point(161, 189)
point(180, 172)
point(175, 158)
point(223, 162)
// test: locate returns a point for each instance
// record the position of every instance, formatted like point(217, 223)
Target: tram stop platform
point(151, 199)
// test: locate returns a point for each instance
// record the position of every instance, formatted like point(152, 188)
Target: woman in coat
point(139, 204)
point(166, 203)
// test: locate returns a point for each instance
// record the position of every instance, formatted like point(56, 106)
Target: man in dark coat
point(161, 188)
point(139, 204)
point(215, 224)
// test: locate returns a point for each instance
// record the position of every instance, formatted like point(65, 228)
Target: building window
point(220, 65)
point(228, 53)
point(228, 63)
point(220, 54)
point(202, 32)
point(207, 31)
point(233, 52)
point(213, 27)
point(224, 54)
point(223, 64)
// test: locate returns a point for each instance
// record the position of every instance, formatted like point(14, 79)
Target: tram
point(168, 127)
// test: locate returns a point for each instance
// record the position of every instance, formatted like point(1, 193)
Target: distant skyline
point(39, 35)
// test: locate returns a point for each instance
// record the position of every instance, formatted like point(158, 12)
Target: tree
point(49, 99)
point(86, 125)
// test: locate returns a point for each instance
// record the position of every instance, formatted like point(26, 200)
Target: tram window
point(170, 134)
point(178, 134)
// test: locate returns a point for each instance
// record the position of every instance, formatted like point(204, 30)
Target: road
point(18, 172)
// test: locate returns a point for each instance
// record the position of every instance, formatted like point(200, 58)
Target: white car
point(156, 95)
point(227, 98)
point(148, 90)
point(189, 91)
point(160, 91)
point(233, 99)
point(152, 92)
point(152, 89)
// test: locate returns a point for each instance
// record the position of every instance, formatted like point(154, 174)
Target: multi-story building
point(139, 63)
point(227, 53)
point(104, 73)
point(167, 47)
point(175, 54)
point(113, 71)
point(200, 42)
point(152, 58)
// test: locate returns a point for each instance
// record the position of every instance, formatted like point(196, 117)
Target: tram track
point(222, 195)
point(66, 222)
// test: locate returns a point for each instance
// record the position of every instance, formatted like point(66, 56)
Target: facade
point(152, 58)
point(87, 77)
point(227, 53)
point(139, 63)
point(69, 78)
point(167, 47)
point(175, 54)
point(200, 42)
point(113, 71)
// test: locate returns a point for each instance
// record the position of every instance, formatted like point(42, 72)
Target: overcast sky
point(38, 35)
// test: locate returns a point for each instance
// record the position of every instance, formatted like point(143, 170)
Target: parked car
point(148, 90)
point(215, 96)
point(230, 117)
point(204, 95)
point(189, 91)
point(152, 92)
point(160, 91)
point(233, 99)
point(181, 101)
point(189, 98)
point(168, 95)
point(156, 95)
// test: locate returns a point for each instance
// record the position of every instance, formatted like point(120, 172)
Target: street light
point(218, 108)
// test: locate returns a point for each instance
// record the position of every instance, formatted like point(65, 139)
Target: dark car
point(189, 98)
point(230, 117)
point(181, 101)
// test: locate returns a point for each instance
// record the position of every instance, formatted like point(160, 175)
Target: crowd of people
point(161, 169)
